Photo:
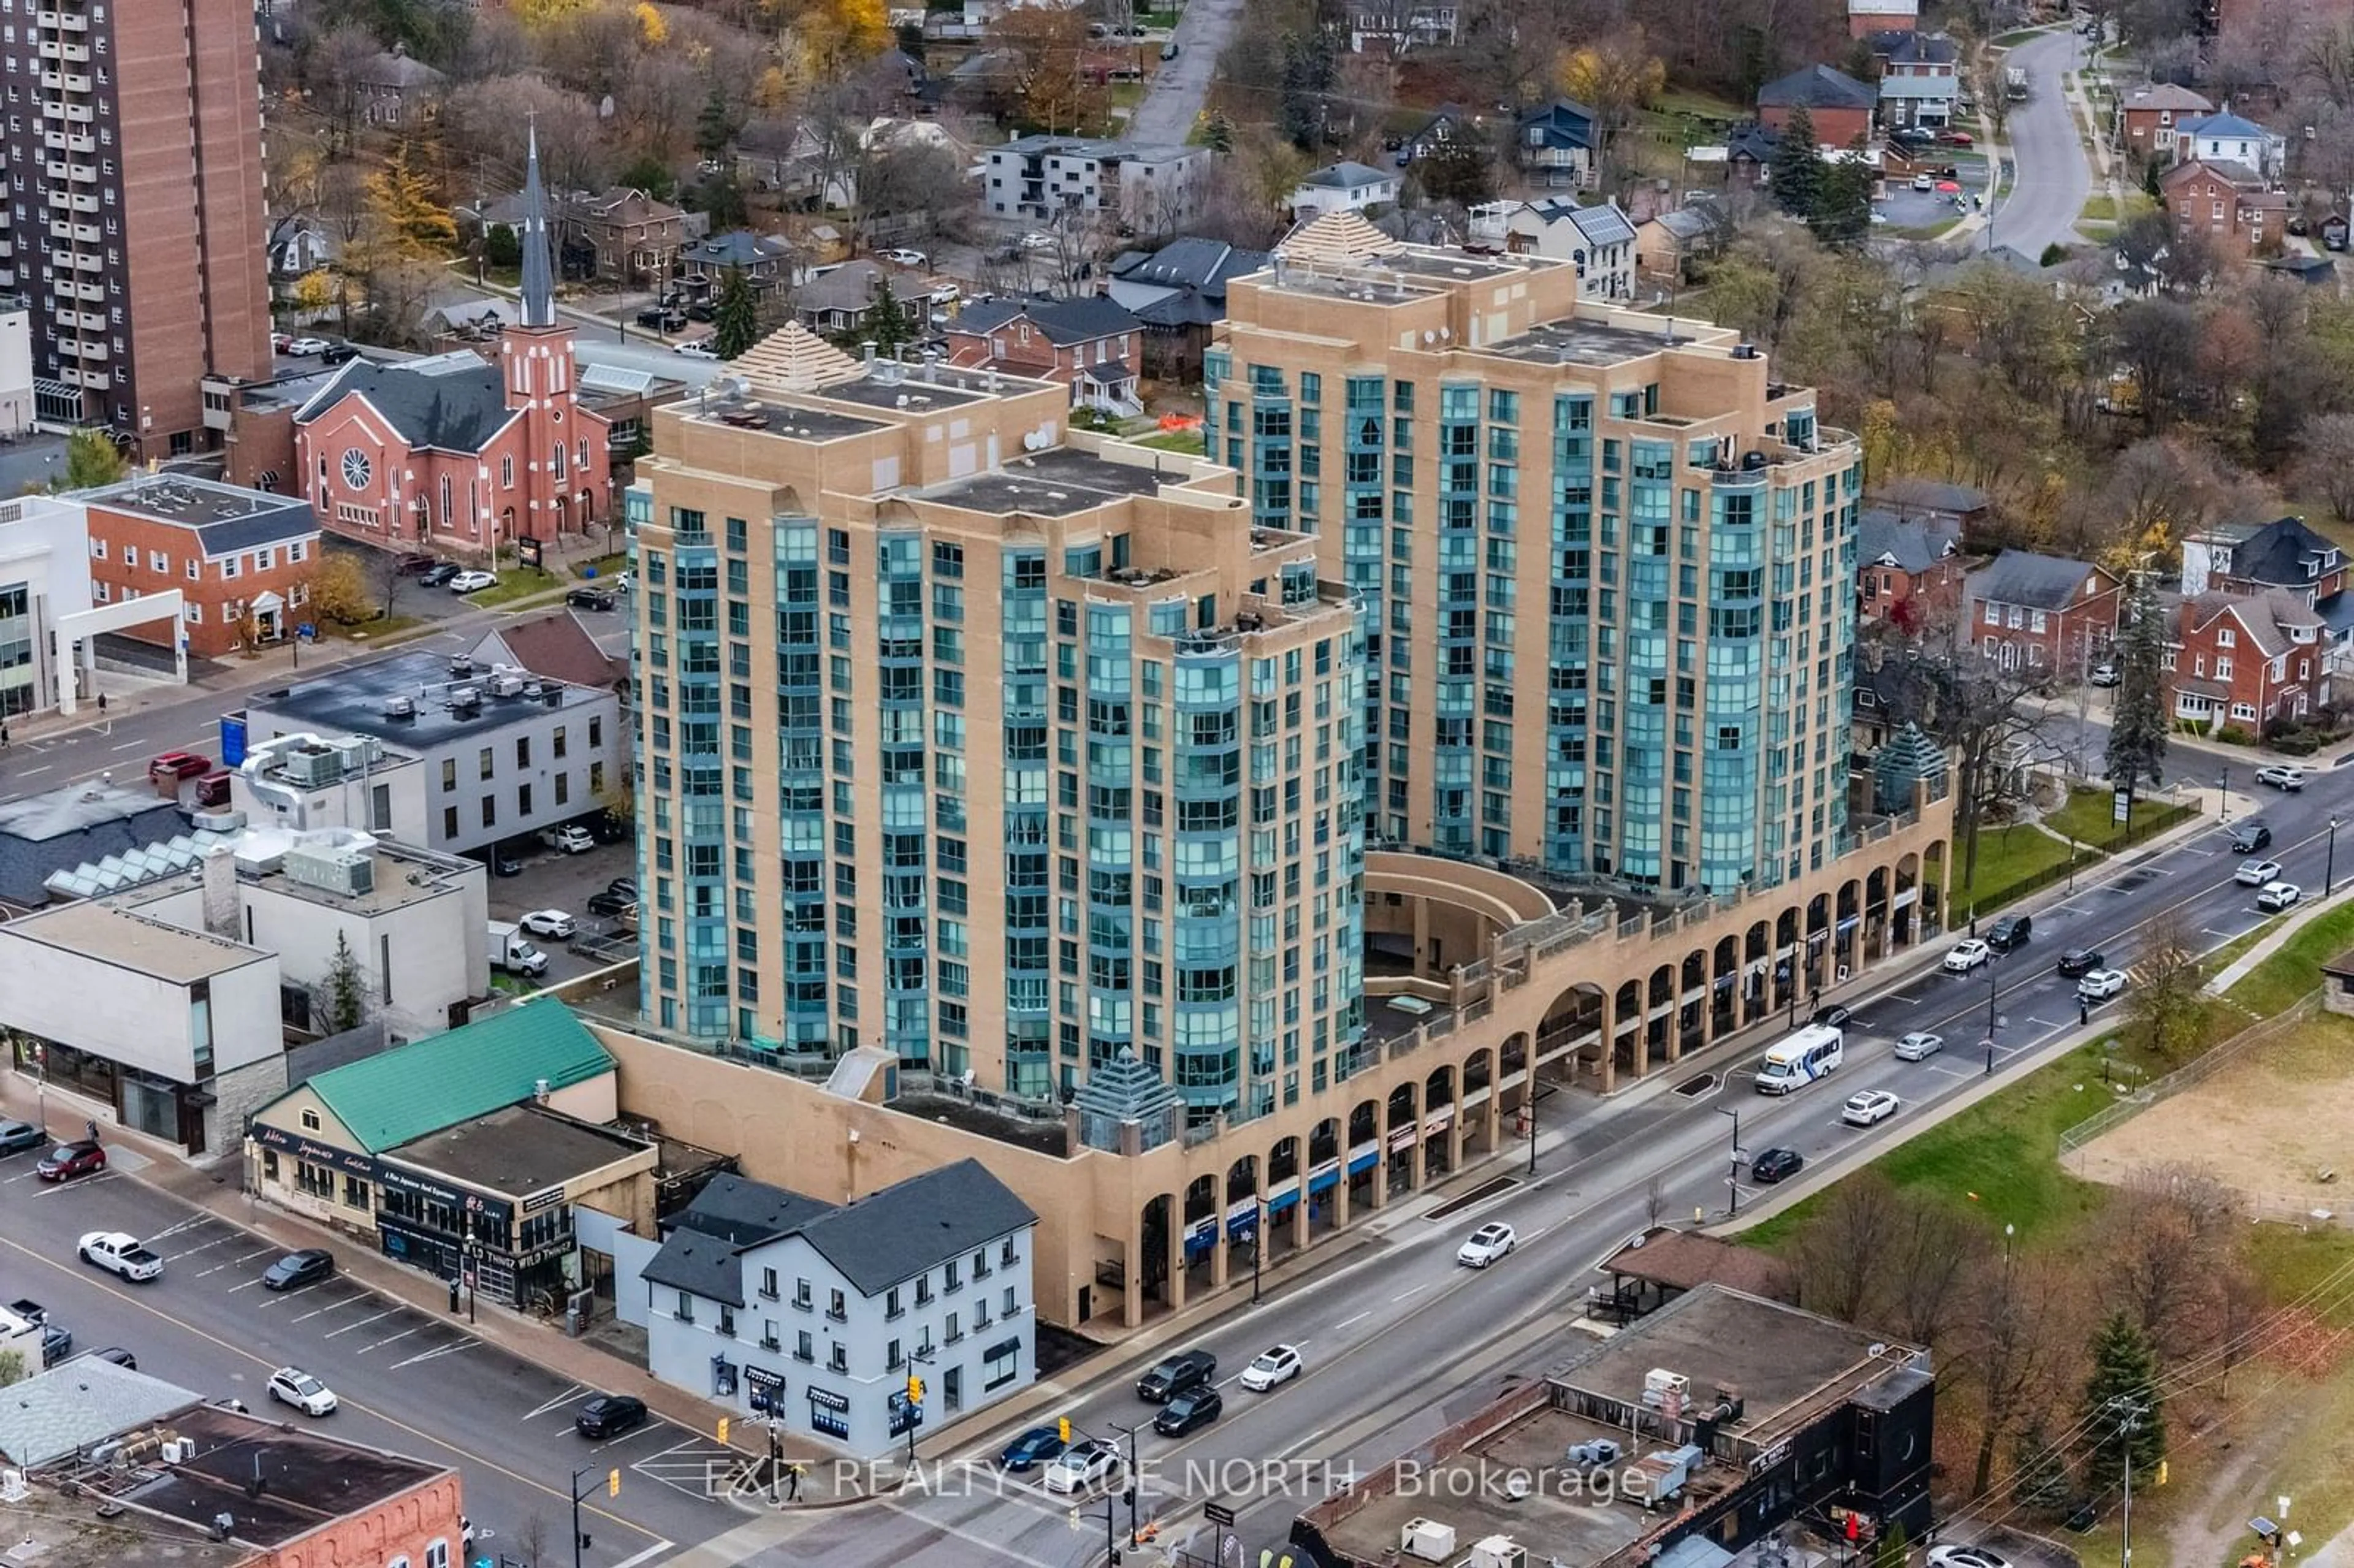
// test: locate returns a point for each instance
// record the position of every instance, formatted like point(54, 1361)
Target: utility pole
point(1733, 1179)
point(2129, 1413)
point(1992, 984)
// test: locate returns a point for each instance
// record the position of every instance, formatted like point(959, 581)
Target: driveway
point(1174, 98)
point(2052, 173)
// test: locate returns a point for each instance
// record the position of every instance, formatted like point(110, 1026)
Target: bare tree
point(2015, 1335)
point(2163, 1003)
point(1929, 1256)
point(2171, 1235)
point(2326, 461)
point(1840, 1256)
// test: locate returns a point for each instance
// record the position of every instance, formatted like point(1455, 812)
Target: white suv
point(2099, 985)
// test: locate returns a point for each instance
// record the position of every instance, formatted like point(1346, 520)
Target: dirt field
point(2265, 1125)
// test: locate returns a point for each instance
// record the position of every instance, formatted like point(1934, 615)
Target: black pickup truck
point(57, 1341)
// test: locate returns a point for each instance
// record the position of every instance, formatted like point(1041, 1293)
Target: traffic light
point(613, 1482)
point(723, 1430)
point(914, 1389)
point(1063, 1427)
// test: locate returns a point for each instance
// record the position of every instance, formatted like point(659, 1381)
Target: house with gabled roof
point(1345, 186)
point(2247, 659)
point(1866, 18)
point(1089, 344)
point(1840, 106)
point(2149, 119)
point(1908, 570)
point(2284, 554)
point(1554, 145)
point(856, 1323)
point(2029, 611)
point(1598, 240)
point(1178, 294)
point(2228, 138)
point(2230, 201)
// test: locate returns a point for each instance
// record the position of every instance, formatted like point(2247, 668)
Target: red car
point(179, 765)
point(1955, 138)
point(71, 1159)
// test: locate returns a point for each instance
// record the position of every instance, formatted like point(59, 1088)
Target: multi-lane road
point(1402, 1342)
point(411, 1381)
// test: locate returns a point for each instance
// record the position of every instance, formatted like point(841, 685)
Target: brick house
point(1091, 345)
point(1840, 106)
point(2283, 554)
point(2229, 201)
point(1866, 18)
point(2042, 612)
point(1920, 80)
point(242, 559)
point(2247, 659)
point(1911, 495)
point(1909, 570)
point(455, 452)
point(2147, 118)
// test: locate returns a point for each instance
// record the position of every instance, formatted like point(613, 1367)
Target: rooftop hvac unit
point(461, 668)
point(358, 752)
point(1497, 1551)
point(400, 707)
point(506, 683)
point(338, 869)
point(179, 1451)
point(311, 766)
point(1428, 1539)
point(1661, 1386)
point(465, 699)
point(12, 1486)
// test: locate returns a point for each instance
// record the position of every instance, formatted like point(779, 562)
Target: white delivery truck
point(510, 950)
point(1812, 1053)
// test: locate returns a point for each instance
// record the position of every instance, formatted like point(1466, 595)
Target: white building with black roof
point(815, 1315)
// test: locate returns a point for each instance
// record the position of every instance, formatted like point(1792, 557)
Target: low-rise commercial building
point(1744, 1413)
point(240, 560)
point(465, 1154)
point(818, 1315)
point(1147, 186)
point(182, 1482)
point(45, 585)
point(499, 752)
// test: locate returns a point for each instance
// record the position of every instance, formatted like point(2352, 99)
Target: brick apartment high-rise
point(135, 216)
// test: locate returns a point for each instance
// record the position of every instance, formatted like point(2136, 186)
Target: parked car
point(416, 564)
point(2281, 776)
point(71, 1159)
point(1955, 138)
point(179, 765)
point(610, 905)
point(292, 1385)
point(623, 887)
point(1967, 1557)
point(115, 1353)
point(550, 923)
point(1967, 955)
point(120, 1253)
point(1169, 51)
point(2104, 676)
point(2275, 896)
point(2079, 961)
point(1174, 1376)
point(1081, 1466)
point(610, 1415)
point(1491, 1241)
point(1919, 1046)
point(2009, 933)
point(1834, 1014)
point(2256, 872)
point(1923, 183)
point(904, 258)
point(436, 574)
point(308, 347)
point(703, 310)
point(338, 353)
point(506, 861)
point(695, 348)
point(1869, 1107)
point(658, 317)
point(1280, 1364)
point(589, 598)
point(1776, 1165)
point(1189, 1412)
point(570, 837)
point(296, 1269)
point(1031, 1449)
point(473, 580)
point(1037, 239)
point(2250, 835)
point(15, 1137)
point(2100, 985)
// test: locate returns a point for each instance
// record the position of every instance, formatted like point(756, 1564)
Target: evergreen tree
point(1842, 211)
point(345, 1003)
point(2039, 1473)
point(1218, 135)
point(2124, 1416)
point(737, 326)
point(714, 128)
point(2136, 752)
point(888, 325)
point(401, 205)
point(1891, 1551)
point(91, 459)
point(1796, 177)
point(502, 247)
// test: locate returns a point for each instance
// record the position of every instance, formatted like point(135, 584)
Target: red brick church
point(454, 452)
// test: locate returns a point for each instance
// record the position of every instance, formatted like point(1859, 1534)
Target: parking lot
point(553, 880)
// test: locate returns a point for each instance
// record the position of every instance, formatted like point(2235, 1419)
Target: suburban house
point(1840, 107)
point(555, 646)
point(2226, 138)
point(799, 160)
point(2042, 612)
point(1148, 186)
point(2283, 554)
point(1911, 495)
point(856, 1323)
point(1427, 135)
point(1089, 344)
point(763, 261)
point(838, 299)
point(617, 235)
point(1343, 187)
point(2247, 659)
point(300, 244)
point(1667, 246)
point(1749, 152)
point(1908, 570)
point(1395, 26)
point(1178, 293)
point(2149, 119)
point(1597, 239)
point(242, 560)
point(1866, 17)
point(2229, 201)
point(396, 89)
point(1919, 81)
point(1554, 145)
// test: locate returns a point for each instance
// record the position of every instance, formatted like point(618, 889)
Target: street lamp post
point(1733, 1178)
point(1529, 1104)
point(1259, 1243)
point(1992, 984)
point(2224, 796)
point(2330, 866)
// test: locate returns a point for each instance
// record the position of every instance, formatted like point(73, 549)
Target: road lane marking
point(362, 1323)
point(54, 1188)
point(566, 1397)
point(388, 1340)
point(332, 1306)
point(641, 1557)
point(1358, 1319)
point(247, 1286)
point(435, 1355)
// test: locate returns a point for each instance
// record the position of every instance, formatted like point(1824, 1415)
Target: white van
point(1814, 1052)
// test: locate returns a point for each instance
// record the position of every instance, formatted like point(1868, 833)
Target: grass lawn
point(2013, 40)
point(2289, 973)
point(2007, 855)
point(1929, 231)
point(386, 627)
point(1186, 441)
point(2088, 817)
point(1679, 100)
point(517, 585)
point(1127, 94)
point(602, 566)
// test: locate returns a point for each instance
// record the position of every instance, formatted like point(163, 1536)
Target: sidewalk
point(217, 1188)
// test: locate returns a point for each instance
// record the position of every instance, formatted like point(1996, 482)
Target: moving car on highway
point(1490, 1241)
point(292, 1385)
point(1869, 1107)
point(1280, 1364)
point(1919, 1046)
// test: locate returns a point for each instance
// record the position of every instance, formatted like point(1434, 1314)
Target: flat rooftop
point(353, 701)
point(1053, 483)
point(136, 942)
point(784, 419)
point(75, 808)
point(404, 875)
point(191, 503)
point(47, 1531)
point(1774, 1354)
point(1575, 342)
point(887, 383)
point(308, 1478)
point(517, 1151)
